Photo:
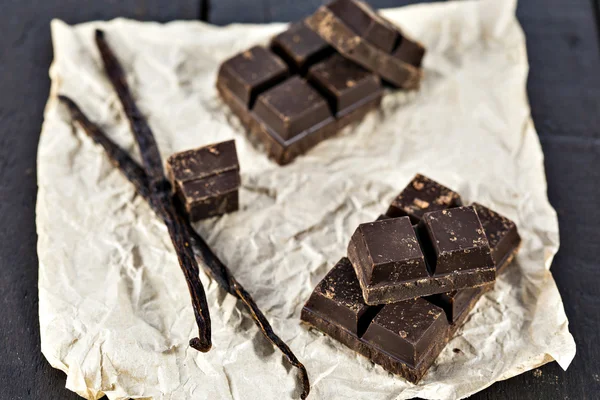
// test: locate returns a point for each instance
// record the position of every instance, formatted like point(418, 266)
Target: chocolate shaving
point(204, 255)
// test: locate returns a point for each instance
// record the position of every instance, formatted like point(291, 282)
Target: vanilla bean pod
point(160, 193)
point(212, 265)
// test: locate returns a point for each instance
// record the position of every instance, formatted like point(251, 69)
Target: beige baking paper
point(115, 312)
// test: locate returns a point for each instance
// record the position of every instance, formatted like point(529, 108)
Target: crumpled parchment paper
point(115, 312)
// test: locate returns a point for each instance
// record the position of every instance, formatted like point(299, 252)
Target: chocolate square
point(420, 196)
point(455, 240)
point(345, 84)
point(292, 108)
point(366, 23)
point(408, 329)
point(251, 72)
point(409, 51)
point(338, 297)
point(300, 47)
point(501, 233)
point(202, 162)
point(387, 250)
point(206, 180)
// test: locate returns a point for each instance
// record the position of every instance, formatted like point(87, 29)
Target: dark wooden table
point(563, 87)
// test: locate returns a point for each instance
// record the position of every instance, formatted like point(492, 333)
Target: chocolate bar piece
point(346, 85)
point(361, 35)
point(251, 72)
point(287, 115)
point(206, 179)
point(300, 47)
point(420, 196)
point(292, 109)
point(504, 242)
point(404, 338)
point(448, 252)
point(338, 297)
point(501, 233)
point(406, 330)
point(456, 303)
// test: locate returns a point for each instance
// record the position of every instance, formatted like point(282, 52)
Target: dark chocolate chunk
point(366, 23)
point(408, 329)
point(388, 256)
point(361, 35)
point(200, 163)
point(339, 299)
point(251, 72)
point(385, 251)
point(409, 51)
point(206, 179)
point(457, 302)
point(405, 338)
point(457, 241)
point(420, 196)
point(292, 108)
point(300, 47)
point(286, 116)
point(344, 83)
point(501, 233)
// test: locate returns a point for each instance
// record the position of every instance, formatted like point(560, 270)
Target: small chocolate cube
point(251, 72)
point(300, 47)
point(408, 329)
point(215, 195)
point(454, 240)
point(345, 84)
point(423, 195)
point(409, 51)
point(386, 251)
point(205, 161)
point(366, 23)
point(292, 108)
point(338, 298)
point(501, 234)
point(206, 180)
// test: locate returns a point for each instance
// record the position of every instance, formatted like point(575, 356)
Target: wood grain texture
point(564, 90)
point(25, 55)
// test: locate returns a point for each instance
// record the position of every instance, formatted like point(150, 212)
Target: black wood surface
point(564, 90)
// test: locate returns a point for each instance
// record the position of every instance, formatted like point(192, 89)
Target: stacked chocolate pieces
point(206, 180)
point(411, 277)
point(308, 84)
